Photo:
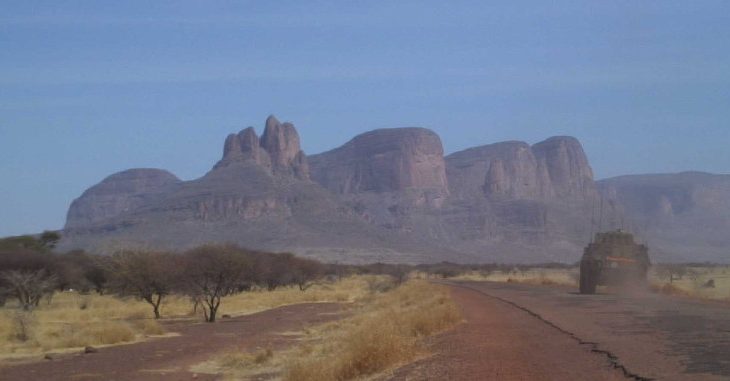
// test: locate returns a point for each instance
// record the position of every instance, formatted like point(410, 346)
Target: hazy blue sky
point(91, 88)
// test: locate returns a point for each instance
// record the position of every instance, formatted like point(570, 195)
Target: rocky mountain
point(386, 175)
point(386, 195)
point(683, 216)
point(524, 201)
point(117, 194)
point(258, 195)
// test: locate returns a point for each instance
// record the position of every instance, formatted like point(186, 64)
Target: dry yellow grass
point(539, 276)
point(692, 285)
point(72, 320)
point(346, 290)
point(384, 331)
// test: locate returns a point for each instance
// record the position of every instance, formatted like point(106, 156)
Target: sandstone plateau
point(392, 195)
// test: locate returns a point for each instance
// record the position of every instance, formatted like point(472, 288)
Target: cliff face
point(563, 164)
point(511, 196)
point(119, 193)
point(258, 195)
point(388, 160)
point(387, 177)
point(391, 195)
point(555, 168)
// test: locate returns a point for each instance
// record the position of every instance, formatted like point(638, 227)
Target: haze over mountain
point(683, 217)
point(392, 195)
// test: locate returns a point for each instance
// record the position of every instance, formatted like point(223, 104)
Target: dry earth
point(170, 358)
point(511, 332)
point(524, 332)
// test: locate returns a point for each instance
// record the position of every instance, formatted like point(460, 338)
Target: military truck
point(613, 259)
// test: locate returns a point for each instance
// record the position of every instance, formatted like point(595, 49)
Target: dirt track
point(511, 332)
point(521, 332)
point(170, 358)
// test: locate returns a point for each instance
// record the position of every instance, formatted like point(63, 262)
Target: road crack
point(594, 347)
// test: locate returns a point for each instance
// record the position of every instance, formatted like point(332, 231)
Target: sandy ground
point(522, 332)
point(511, 332)
point(170, 358)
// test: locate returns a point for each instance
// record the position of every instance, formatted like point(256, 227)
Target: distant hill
point(386, 195)
point(683, 216)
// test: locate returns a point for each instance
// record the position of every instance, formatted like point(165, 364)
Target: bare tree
point(213, 272)
point(29, 286)
point(672, 272)
point(273, 270)
point(149, 276)
point(399, 273)
point(305, 272)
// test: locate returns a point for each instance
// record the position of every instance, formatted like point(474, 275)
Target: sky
point(91, 88)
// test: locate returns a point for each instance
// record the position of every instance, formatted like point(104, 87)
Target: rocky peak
point(506, 169)
point(278, 149)
point(512, 172)
point(384, 160)
point(242, 147)
point(117, 194)
point(562, 161)
point(556, 167)
point(281, 141)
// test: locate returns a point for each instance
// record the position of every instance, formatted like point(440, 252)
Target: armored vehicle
point(613, 259)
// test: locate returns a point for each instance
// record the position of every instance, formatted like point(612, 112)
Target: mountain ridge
point(387, 195)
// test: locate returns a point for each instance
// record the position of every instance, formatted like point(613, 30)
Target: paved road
point(647, 336)
point(500, 342)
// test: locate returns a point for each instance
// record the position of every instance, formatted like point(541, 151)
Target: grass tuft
point(384, 333)
point(385, 329)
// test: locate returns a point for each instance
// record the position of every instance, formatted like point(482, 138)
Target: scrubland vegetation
point(72, 320)
point(703, 281)
point(51, 302)
point(385, 329)
point(55, 302)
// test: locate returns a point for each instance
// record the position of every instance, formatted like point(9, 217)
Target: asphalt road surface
point(639, 335)
point(511, 332)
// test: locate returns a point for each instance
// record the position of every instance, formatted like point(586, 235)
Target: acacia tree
point(97, 274)
point(27, 272)
point(212, 272)
point(305, 271)
point(49, 239)
point(29, 286)
point(272, 269)
point(672, 272)
point(149, 276)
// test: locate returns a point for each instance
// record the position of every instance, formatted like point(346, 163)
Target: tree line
point(30, 271)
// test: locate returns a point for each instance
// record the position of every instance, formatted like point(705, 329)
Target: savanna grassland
point(71, 320)
point(697, 281)
point(385, 328)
